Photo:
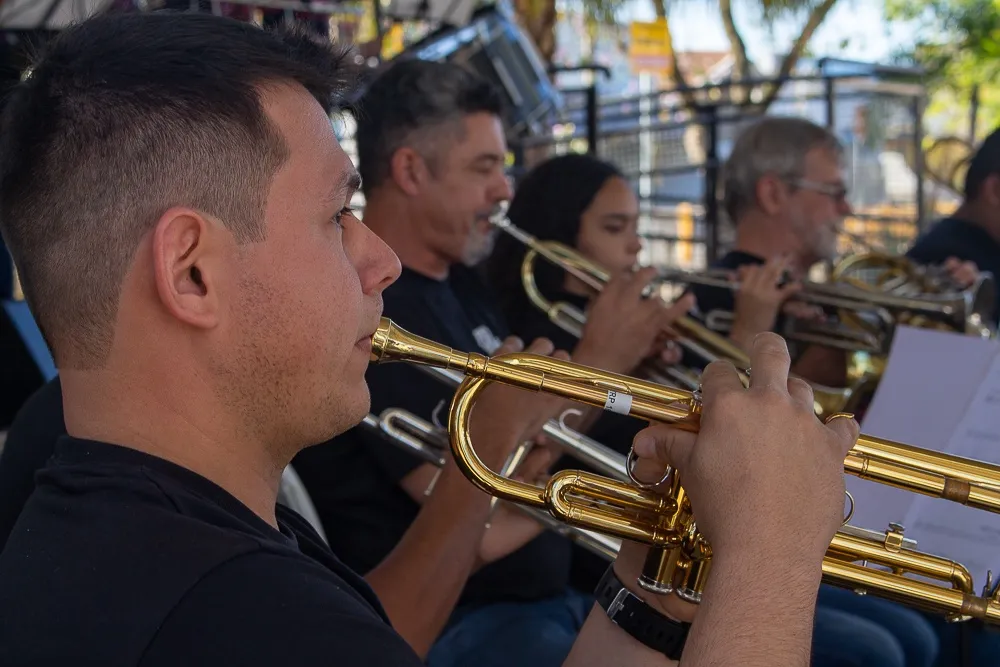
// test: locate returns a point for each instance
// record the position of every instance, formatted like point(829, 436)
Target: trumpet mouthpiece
point(381, 339)
point(393, 343)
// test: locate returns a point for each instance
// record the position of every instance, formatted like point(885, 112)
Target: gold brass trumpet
point(695, 338)
point(681, 558)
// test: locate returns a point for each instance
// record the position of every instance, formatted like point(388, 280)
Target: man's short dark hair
point(123, 117)
point(985, 163)
point(408, 101)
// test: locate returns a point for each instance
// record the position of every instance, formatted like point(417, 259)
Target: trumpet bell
point(935, 300)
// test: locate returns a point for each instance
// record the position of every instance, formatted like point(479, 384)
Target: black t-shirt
point(30, 443)
point(353, 480)
point(124, 559)
point(710, 298)
point(965, 240)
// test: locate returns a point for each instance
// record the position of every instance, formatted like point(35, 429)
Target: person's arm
point(758, 610)
point(766, 623)
point(420, 581)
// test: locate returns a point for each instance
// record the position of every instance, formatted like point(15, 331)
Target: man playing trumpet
point(209, 299)
point(785, 194)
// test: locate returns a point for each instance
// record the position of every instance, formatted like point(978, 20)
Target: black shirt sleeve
point(284, 617)
point(928, 250)
point(30, 443)
point(397, 385)
point(532, 323)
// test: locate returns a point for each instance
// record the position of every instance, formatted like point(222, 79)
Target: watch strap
point(642, 622)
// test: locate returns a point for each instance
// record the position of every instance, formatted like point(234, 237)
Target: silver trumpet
point(868, 314)
point(430, 443)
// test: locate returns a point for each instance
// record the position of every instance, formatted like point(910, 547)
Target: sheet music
point(971, 537)
point(940, 391)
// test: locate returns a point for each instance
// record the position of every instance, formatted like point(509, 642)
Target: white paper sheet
point(940, 391)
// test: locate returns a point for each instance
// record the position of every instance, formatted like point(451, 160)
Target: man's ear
point(409, 170)
point(187, 267)
point(771, 194)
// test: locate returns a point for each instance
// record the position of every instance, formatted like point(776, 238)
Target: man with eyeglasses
point(785, 194)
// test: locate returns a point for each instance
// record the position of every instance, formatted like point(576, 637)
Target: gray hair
point(772, 146)
point(411, 98)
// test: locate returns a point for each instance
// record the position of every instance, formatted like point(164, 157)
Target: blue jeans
point(508, 634)
point(857, 631)
point(849, 631)
point(982, 644)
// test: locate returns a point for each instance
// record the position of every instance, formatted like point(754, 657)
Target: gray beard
point(478, 247)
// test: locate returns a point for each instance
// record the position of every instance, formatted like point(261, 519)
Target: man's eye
point(339, 218)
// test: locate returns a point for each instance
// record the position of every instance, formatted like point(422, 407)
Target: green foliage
point(958, 45)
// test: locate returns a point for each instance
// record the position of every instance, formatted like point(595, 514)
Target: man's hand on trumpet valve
point(760, 297)
point(623, 328)
point(963, 273)
point(762, 469)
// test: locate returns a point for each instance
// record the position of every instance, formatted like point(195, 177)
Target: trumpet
point(598, 456)
point(695, 338)
point(429, 443)
point(870, 312)
point(680, 558)
point(946, 305)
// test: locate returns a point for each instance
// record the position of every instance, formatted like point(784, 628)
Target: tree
point(958, 45)
point(814, 13)
point(538, 17)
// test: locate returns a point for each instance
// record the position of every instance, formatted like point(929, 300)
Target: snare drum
point(494, 46)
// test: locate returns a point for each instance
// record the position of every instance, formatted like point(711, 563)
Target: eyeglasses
point(837, 191)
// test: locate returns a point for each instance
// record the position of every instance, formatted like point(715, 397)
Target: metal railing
point(674, 154)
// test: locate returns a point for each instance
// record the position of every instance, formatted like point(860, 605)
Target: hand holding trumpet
point(776, 462)
point(765, 478)
point(623, 327)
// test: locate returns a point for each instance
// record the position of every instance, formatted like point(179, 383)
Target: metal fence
point(674, 153)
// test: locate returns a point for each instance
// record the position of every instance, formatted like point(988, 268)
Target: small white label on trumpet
point(618, 402)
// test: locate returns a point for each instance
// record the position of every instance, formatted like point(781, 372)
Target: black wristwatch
point(639, 619)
